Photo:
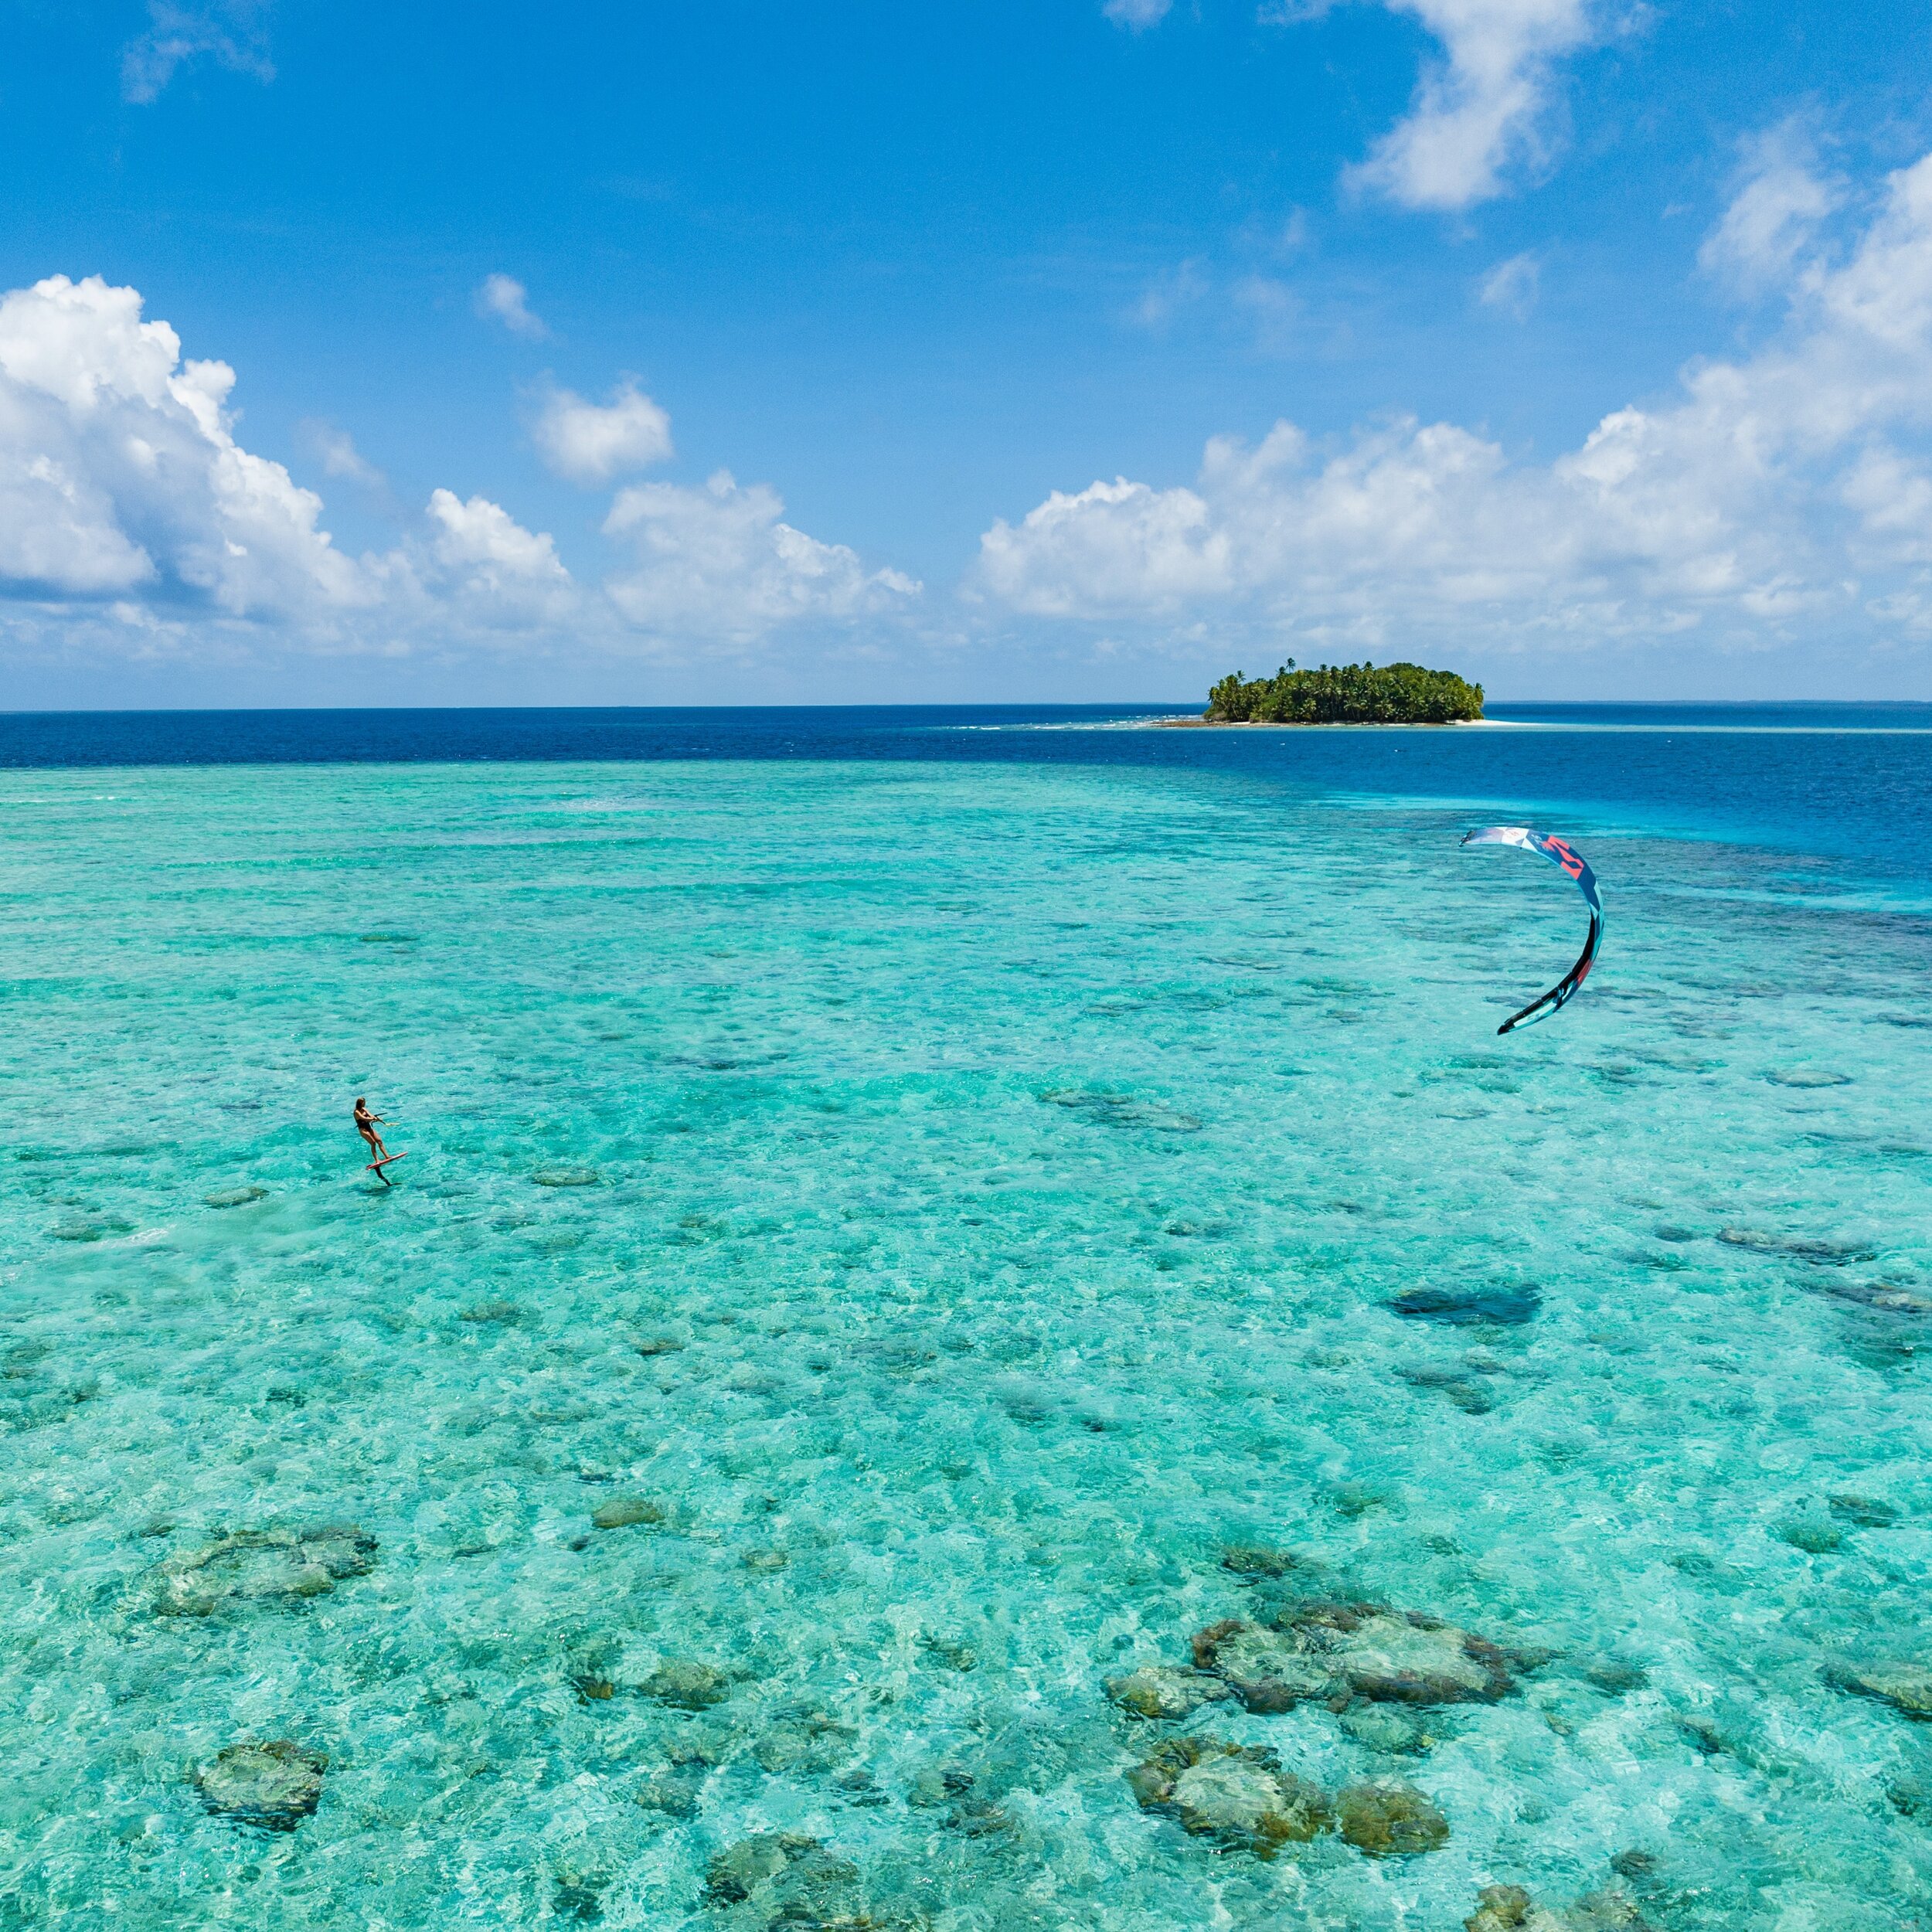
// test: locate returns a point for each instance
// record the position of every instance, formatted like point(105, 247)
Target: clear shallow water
point(1018, 1155)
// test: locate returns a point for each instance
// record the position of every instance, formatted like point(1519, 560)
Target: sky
point(1073, 350)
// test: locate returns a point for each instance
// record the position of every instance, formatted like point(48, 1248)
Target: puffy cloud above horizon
point(119, 472)
point(588, 443)
point(126, 501)
point(1773, 488)
point(514, 574)
point(720, 562)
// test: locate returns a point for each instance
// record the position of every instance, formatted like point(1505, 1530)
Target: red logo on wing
point(1561, 852)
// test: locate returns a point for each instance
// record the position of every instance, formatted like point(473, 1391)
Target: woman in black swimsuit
point(366, 1125)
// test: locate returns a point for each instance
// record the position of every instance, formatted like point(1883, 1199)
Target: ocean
point(914, 1223)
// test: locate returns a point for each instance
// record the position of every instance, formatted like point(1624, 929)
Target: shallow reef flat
point(958, 1347)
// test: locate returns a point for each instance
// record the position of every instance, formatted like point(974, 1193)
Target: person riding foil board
point(366, 1124)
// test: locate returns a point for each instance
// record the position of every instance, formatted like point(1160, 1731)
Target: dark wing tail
point(1571, 864)
point(1547, 1003)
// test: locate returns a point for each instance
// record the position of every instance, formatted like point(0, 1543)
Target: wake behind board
point(376, 1167)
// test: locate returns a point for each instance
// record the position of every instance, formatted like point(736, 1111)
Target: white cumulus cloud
point(721, 562)
point(1785, 485)
point(132, 518)
point(125, 499)
point(119, 469)
point(501, 572)
point(503, 298)
point(483, 536)
point(589, 443)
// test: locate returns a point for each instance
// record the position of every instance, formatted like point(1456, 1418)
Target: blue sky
point(636, 353)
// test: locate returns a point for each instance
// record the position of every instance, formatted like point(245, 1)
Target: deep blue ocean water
point(1851, 779)
point(901, 1206)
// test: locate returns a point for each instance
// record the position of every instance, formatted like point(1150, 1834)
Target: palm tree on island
point(1345, 694)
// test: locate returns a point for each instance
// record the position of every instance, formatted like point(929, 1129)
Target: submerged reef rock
point(1256, 1562)
point(1267, 1670)
point(1863, 1513)
point(78, 1227)
point(1387, 1819)
point(1240, 1798)
point(256, 1566)
point(803, 1919)
point(1905, 1687)
point(938, 1786)
point(1382, 1727)
point(1354, 1500)
point(495, 1314)
point(231, 1197)
point(673, 1797)
point(686, 1686)
point(1163, 1690)
point(859, 1787)
point(1118, 1110)
point(1887, 1298)
point(1909, 1797)
point(1460, 1387)
point(1503, 1307)
point(1801, 1247)
point(1814, 1534)
point(728, 1060)
point(580, 1895)
point(1607, 1911)
point(621, 1512)
point(979, 1818)
point(1882, 1343)
point(1508, 1908)
point(273, 1786)
point(737, 1871)
point(955, 1653)
point(804, 1741)
point(1352, 1650)
point(1806, 1076)
point(1613, 1676)
point(567, 1177)
point(790, 1876)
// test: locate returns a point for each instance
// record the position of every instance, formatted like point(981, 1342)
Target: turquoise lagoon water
point(989, 1179)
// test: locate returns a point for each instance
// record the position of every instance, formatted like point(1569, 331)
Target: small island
point(1345, 694)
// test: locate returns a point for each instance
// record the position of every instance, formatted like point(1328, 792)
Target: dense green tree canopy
point(1345, 694)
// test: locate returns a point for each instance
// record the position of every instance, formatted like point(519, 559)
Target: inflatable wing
point(1560, 852)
